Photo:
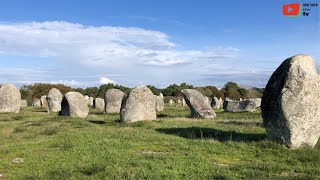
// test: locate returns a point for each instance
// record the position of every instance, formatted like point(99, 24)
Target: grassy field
point(232, 146)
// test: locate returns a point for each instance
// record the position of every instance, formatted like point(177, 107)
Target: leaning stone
point(113, 99)
point(73, 104)
point(198, 104)
point(290, 103)
point(23, 103)
point(138, 105)
point(98, 103)
point(54, 99)
point(10, 99)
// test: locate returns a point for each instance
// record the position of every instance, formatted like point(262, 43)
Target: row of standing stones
point(290, 103)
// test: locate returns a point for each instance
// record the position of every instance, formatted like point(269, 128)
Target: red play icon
point(291, 9)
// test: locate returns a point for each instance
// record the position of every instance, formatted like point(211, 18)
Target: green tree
point(175, 90)
point(104, 88)
point(154, 90)
point(232, 93)
point(91, 91)
point(229, 85)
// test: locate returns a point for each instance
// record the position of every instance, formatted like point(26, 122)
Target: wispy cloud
point(228, 30)
point(145, 18)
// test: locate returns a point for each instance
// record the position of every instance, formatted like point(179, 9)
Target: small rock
point(17, 160)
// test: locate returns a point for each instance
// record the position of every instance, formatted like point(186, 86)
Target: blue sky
point(88, 43)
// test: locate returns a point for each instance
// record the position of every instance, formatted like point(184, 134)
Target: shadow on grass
point(97, 113)
point(240, 123)
point(97, 122)
point(164, 116)
point(211, 133)
point(39, 110)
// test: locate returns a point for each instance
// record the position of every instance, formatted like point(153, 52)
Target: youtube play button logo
point(291, 9)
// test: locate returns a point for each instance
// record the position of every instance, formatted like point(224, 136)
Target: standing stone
point(253, 104)
point(159, 102)
point(248, 105)
point(36, 102)
point(113, 99)
point(86, 97)
point(99, 104)
point(290, 103)
point(10, 99)
point(184, 102)
point(137, 105)
point(170, 101)
point(220, 103)
point(215, 103)
point(43, 100)
point(73, 104)
point(179, 101)
point(198, 104)
point(23, 103)
point(90, 101)
point(54, 99)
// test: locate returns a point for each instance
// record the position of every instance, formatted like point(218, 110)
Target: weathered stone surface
point(54, 99)
point(43, 100)
point(98, 103)
point(23, 103)
point(253, 104)
point(36, 102)
point(179, 101)
point(73, 104)
point(198, 104)
point(159, 102)
point(113, 99)
point(137, 105)
point(248, 105)
point(290, 103)
point(207, 99)
point(10, 99)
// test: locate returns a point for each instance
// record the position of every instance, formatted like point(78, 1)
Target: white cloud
point(139, 56)
point(96, 46)
point(68, 82)
point(104, 80)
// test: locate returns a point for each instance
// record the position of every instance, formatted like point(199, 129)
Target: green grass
point(233, 146)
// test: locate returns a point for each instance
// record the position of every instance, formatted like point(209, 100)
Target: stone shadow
point(241, 123)
point(97, 122)
point(212, 133)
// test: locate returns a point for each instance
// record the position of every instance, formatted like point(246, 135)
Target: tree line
point(231, 90)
